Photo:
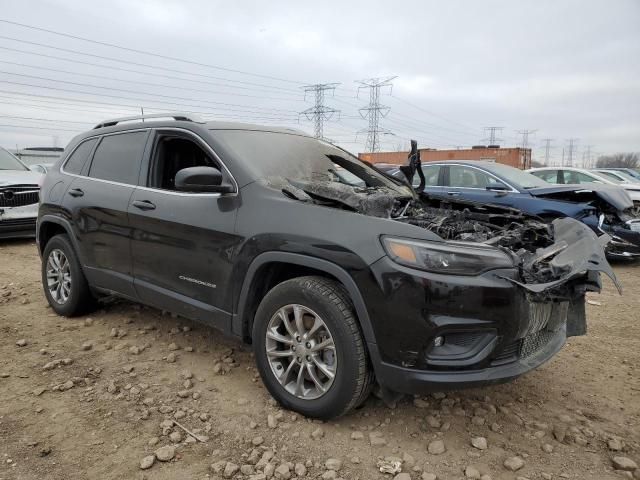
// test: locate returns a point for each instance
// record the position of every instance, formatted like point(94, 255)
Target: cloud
point(462, 65)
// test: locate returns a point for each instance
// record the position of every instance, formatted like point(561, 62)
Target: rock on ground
point(624, 463)
point(166, 453)
point(436, 447)
point(147, 462)
point(513, 463)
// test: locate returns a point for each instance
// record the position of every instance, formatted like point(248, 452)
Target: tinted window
point(117, 157)
point(467, 177)
point(430, 176)
point(578, 177)
point(550, 176)
point(297, 157)
point(79, 156)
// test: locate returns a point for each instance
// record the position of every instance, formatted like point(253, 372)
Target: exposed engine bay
point(548, 255)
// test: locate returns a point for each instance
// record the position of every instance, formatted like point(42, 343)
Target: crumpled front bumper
point(16, 222)
point(412, 381)
point(436, 331)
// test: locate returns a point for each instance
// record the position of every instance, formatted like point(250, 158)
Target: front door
point(183, 243)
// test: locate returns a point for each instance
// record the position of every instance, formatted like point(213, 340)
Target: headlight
point(460, 258)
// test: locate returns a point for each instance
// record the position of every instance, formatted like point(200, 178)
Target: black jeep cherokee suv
point(340, 276)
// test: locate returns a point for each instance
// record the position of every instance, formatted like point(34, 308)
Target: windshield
point(296, 157)
point(9, 162)
point(517, 177)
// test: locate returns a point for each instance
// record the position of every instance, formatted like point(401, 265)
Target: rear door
point(470, 183)
point(183, 242)
point(97, 200)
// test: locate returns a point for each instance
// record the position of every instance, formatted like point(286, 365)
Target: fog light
point(438, 341)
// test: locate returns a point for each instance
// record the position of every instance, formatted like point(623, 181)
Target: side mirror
point(201, 179)
point(497, 187)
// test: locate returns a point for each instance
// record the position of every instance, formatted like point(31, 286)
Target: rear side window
point(467, 177)
point(118, 157)
point(79, 157)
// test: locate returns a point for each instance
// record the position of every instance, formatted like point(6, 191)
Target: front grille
point(19, 195)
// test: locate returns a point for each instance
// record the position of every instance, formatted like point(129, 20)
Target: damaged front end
point(614, 214)
point(548, 256)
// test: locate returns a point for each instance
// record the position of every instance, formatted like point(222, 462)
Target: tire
point(76, 299)
point(313, 298)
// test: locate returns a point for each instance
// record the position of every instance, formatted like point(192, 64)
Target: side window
point(467, 177)
point(118, 157)
point(578, 177)
point(431, 174)
point(79, 157)
point(584, 178)
point(171, 154)
point(550, 176)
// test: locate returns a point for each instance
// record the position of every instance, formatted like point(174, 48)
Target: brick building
point(515, 157)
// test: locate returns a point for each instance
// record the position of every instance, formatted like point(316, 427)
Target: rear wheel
point(309, 348)
point(64, 283)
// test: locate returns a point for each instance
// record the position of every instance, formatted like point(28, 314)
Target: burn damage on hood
point(548, 256)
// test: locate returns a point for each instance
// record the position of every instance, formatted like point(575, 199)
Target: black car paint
point(226, 241)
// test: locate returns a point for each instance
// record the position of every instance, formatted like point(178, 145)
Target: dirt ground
point(91, 397)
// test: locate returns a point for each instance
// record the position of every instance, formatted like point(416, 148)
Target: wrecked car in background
point(604, 208)
point(340, 276)
point(19, 195)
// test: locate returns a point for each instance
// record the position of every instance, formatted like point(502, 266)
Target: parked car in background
point(575, 176)
point(632, 172)
point(40, 167)
point(618, 175)
point(19, 196)
point(338, 275)
point(604, 208)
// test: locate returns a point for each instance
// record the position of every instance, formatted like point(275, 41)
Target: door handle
point(453, 194)
point(76, 192)
point(144, 205)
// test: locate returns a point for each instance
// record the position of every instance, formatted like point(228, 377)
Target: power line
point(180, 87)
point(374, 111)
point(132, 91)
point(491, 138)
point(471, 129)
point(128, 62)
point(571, 151)
point(151, 54)
point(319, 112)
point(587, 161)
point(40, 128)
point(547, 148)
point(525, 137)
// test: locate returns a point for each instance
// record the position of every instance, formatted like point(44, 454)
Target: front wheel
point(309, 349)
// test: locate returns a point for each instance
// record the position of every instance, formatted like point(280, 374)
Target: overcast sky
point(567, 69)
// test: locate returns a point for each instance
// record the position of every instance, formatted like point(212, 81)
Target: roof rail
point(176, 116)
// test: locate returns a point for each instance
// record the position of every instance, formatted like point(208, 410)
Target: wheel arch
point(263, 267)
point(50, 226)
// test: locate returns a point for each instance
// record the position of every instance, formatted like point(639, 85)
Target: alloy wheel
point(301, 352)
point(58, 276)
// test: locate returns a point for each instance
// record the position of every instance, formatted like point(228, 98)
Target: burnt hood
point(615, 196)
